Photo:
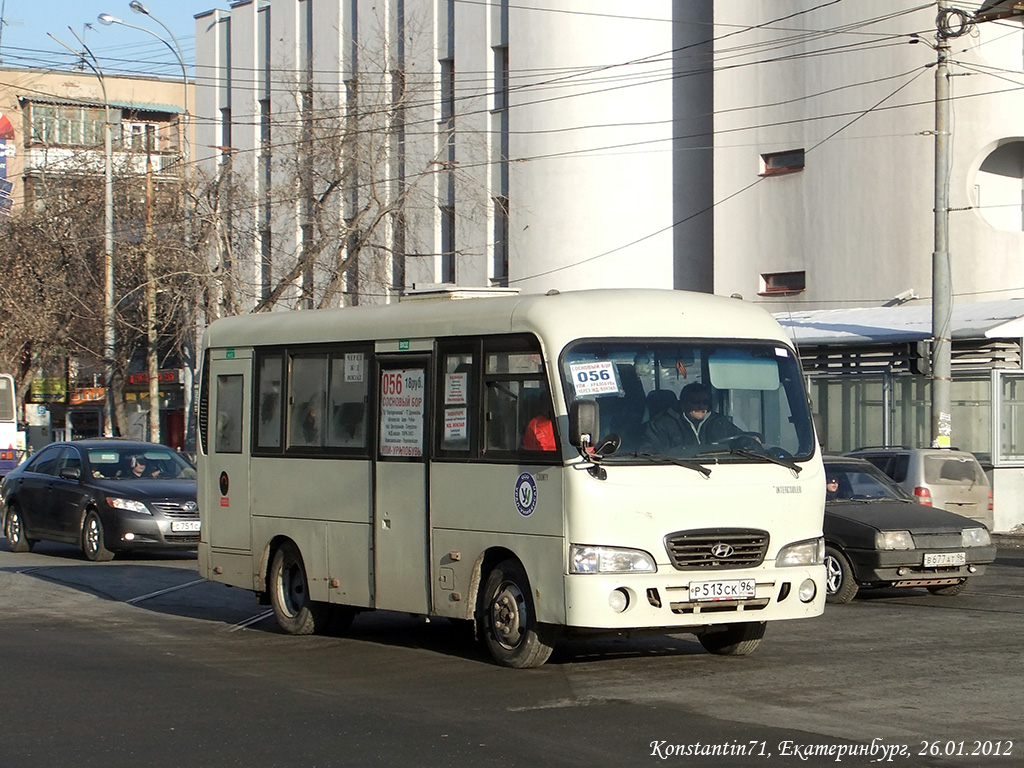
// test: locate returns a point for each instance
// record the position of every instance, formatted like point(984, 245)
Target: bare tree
point(51, 302)
point(328, 212)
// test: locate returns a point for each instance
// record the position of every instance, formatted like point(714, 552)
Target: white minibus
point(539, 465)
point(9, 453)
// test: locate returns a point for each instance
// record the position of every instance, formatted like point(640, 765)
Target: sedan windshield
point(710, 401)
point(136, 463)
point(854, 483)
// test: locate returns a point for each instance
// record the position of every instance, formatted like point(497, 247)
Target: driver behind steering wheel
point(689, 424)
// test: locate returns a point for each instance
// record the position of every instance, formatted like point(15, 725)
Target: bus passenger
point(540, 434)
point(689, 424)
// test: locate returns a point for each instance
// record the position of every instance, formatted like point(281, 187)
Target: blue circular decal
point(526, 494)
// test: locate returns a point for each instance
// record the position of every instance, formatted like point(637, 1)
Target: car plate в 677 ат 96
point(944, 559)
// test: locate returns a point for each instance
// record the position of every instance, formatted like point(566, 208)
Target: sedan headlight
point(129, 504)
point(894, 540)
point(975, 537)
point(587, 559)
point(809, 552)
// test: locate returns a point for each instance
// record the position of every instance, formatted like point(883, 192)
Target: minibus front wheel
point(733, 639)
point(511, 631)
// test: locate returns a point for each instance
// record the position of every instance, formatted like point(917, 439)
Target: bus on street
point(9, 453)
point(609, 461)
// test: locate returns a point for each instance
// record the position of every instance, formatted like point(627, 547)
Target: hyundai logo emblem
point(722, 551)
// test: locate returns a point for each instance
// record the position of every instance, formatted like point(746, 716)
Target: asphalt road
point(138, 662)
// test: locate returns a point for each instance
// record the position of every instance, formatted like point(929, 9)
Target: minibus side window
point(268, 403)
point(457, 411)
point(308, 385)
point(229, 414)
point(346, 405)
point(517, 404)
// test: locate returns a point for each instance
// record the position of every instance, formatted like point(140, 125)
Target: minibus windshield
point(714, 401)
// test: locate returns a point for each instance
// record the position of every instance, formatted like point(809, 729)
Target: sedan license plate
point(944, 559)
point(736, 589)
point(180, 526)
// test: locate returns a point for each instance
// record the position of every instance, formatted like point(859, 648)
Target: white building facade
point(779, 150)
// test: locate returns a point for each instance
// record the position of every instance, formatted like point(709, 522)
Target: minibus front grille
point(717, 548)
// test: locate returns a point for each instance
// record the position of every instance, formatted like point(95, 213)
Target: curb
point(1008, 540)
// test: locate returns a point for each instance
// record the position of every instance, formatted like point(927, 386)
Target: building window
point(775, 283)
point(447, 243)
point(66, 125)
point(500, 266)
point(775, 163)
point(500, 78)
point(225, 132)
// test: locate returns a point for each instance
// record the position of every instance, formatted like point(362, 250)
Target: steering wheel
point(747, 443)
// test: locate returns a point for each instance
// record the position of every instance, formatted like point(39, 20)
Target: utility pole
point(152, 352)
point(190, 346)
point(942, 291)
point(950, 23)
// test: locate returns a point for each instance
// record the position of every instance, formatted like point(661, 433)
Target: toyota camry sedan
point(103, 495)
point(877, 535)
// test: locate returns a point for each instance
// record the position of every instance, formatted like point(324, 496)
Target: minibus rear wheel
point(511, 631)
point(289, 594)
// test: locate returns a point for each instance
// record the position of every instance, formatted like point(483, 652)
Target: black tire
point(513, 636)
point(840, 582)
point(93, 544)
point(733, 639)
point(14, 530)
point(948, 590)
point(296, 613)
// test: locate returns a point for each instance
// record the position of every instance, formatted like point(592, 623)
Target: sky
point(24, 41)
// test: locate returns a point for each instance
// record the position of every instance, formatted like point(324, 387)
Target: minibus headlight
point(894, 540)
point(129, 504)
point(588, 559)
point(808, 552)
point(975, 537)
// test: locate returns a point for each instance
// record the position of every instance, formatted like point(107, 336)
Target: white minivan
point(947, 478)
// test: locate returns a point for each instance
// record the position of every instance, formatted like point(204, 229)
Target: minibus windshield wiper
point(685, 463)
point(747, 453)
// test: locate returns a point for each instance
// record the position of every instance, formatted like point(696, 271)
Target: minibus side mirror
point(584, 423)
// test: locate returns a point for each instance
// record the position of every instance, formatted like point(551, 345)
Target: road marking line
point(251, 620)
point(164, 591)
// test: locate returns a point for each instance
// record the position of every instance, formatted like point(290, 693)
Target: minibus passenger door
point(400, 512)
point(226, 495)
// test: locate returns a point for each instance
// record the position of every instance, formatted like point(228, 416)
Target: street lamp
point(108, 19)
point(108, 239)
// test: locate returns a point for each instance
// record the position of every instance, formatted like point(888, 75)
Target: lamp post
point(108, 19)
point(109, 348)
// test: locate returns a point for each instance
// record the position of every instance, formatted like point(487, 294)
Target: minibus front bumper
point(674, 599)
